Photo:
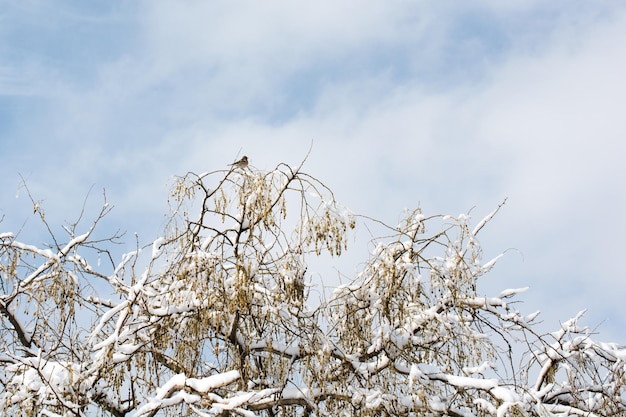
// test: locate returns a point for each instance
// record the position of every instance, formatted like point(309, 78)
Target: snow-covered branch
point(216, 317)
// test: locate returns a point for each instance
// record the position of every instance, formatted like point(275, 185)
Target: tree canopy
point(217, 318)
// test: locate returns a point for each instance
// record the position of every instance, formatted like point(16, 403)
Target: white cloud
point(444, 106)
point(557, 116)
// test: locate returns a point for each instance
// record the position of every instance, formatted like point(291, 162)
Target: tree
point(217, 318)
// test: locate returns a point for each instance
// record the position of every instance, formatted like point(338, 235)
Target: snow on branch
point(220, 316)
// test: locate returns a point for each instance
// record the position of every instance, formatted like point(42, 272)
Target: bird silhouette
point(242, 163)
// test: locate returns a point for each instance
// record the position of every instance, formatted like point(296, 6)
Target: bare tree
point(216, 318)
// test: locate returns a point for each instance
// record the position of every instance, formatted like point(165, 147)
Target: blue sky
point(444, 105)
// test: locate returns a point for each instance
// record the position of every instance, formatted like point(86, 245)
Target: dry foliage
point(214, 318)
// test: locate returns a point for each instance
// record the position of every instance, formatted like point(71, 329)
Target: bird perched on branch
point(242, 163)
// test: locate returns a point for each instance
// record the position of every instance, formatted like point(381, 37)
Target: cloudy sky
point(449, 106)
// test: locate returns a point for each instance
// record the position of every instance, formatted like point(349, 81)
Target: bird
point(242, 163)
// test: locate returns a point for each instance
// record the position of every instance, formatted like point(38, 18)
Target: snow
point(368, 368)
point(374, 399)
point(106, 342)
point(74, 242)
point(105, 318)
point(174, 392)
point(128, 348)
point(415, 374)
point(505, 395)
point(215, 381)
point(46, 378)
point(242, 398)
point(550, 410)
point(618, 351)
point(485, 405)
point(487, 266)
point(486, 219)
point(46, 253)
point(512, 291)
point(157, 247)
point(292, 350)
point(469, 370)
point(468, 382)
point(436, 404)
point(504, 408)
point(175, 382)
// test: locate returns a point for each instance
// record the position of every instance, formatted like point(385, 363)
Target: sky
point(447, 106)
